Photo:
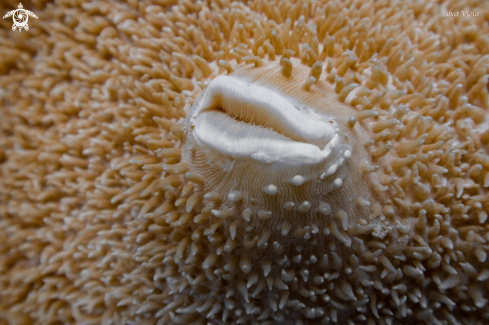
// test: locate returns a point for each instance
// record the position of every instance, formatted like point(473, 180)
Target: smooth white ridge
point(228, 117)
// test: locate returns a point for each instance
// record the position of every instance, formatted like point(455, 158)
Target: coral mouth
point(248, 121)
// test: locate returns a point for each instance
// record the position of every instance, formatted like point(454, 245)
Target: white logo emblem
point(20, 17)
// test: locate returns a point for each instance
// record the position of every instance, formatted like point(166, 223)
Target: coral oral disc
point(243, 140)
point(249, 121)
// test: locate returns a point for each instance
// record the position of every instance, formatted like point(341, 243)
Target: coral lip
point(261, 106)
point(241, 140)
point(243, 120)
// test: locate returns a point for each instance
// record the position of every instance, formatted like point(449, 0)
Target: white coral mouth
point(248, 121)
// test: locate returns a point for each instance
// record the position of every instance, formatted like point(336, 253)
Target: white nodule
point(288, 206)
point(325, 209)
point(298, 180)
point(270, 189)
point(338, 183)
point(304, 207)
point(235, 196)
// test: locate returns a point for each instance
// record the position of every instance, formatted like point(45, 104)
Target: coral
point(255, 162)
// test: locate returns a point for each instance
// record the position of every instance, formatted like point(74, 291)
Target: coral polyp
point(247, 162)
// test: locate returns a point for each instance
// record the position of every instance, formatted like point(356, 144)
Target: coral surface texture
point(252, 162)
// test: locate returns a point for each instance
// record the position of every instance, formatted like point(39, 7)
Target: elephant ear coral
point(254, 162)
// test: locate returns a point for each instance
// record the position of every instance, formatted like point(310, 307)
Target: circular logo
point(20, 18)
